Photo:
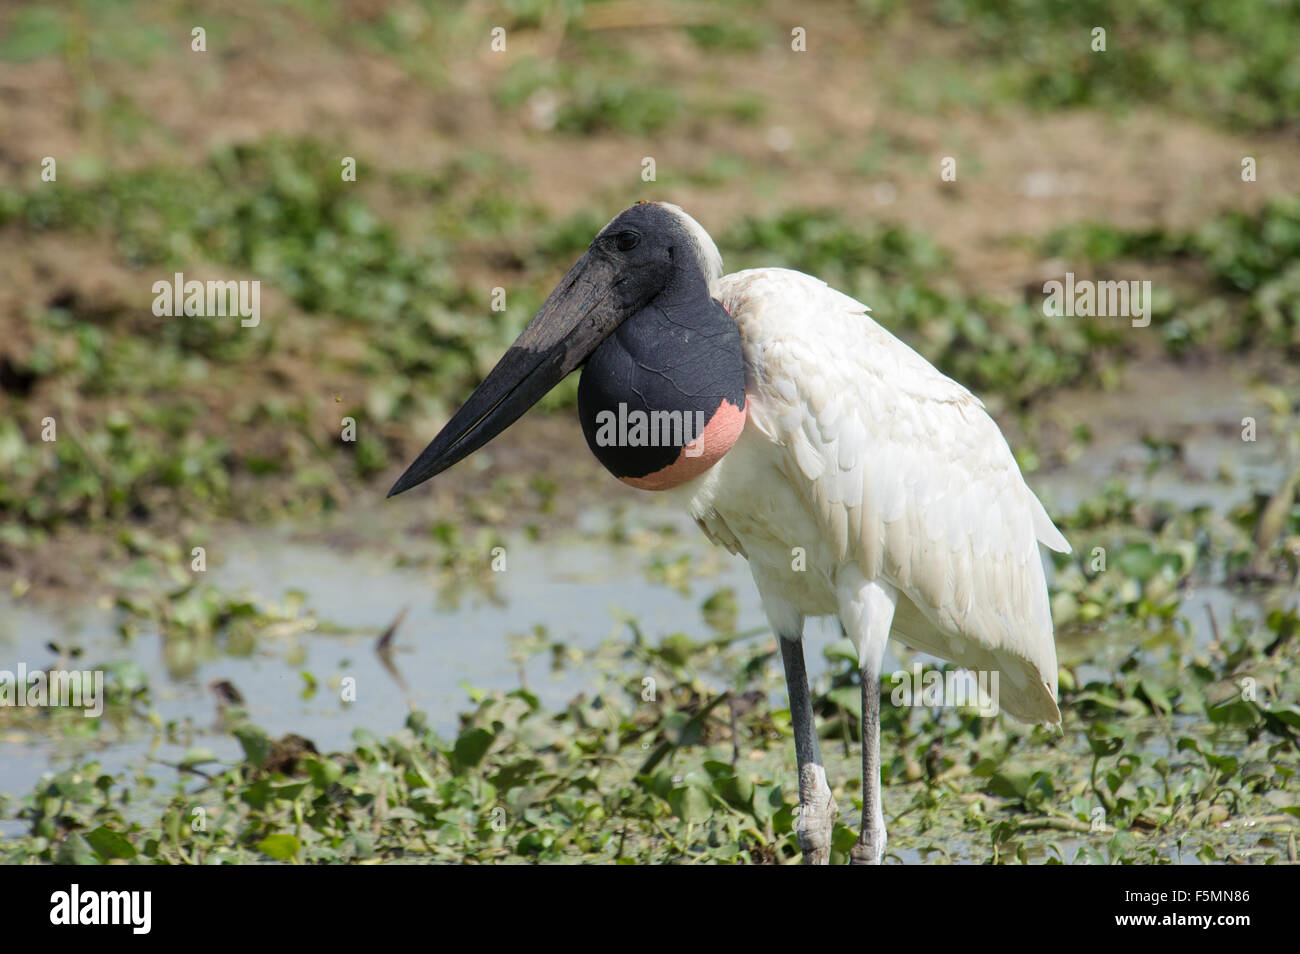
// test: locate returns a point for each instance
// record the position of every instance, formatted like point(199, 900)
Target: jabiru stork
point(856, 479)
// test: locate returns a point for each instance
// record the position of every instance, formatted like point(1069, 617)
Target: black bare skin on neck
point(680, 353)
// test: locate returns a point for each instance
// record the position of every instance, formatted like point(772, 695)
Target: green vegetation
point(1147, 769)
point(1252, 261)
point(1228, 62)
point(280, 212)
point(1179, 739)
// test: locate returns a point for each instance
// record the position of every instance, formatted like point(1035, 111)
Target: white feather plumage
point(885, 471)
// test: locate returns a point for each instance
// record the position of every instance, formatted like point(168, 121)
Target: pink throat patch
point(722, 430)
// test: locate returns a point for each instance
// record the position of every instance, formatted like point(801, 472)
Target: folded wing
point(907, 475)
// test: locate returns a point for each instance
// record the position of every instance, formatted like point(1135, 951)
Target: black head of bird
point(660, 354)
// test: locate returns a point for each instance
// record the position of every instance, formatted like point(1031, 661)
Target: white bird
point(857, 480)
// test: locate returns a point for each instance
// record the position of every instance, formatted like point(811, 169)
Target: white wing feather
point(906, 475)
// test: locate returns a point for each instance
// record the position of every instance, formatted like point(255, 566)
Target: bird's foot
point(869, 848)
point(816, 819)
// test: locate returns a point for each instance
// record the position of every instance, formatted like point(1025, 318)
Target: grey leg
point(870, 848)
point(867, 612)
point(816, 804)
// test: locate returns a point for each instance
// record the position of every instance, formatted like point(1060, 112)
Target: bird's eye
point(626, 241)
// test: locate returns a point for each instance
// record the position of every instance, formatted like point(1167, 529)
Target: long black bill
point(577, 316)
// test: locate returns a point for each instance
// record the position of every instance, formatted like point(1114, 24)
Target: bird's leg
point(867, 613)
point(870, 847)
point(816, 803)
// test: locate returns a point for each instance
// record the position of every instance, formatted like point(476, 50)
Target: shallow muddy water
point(577, 590)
